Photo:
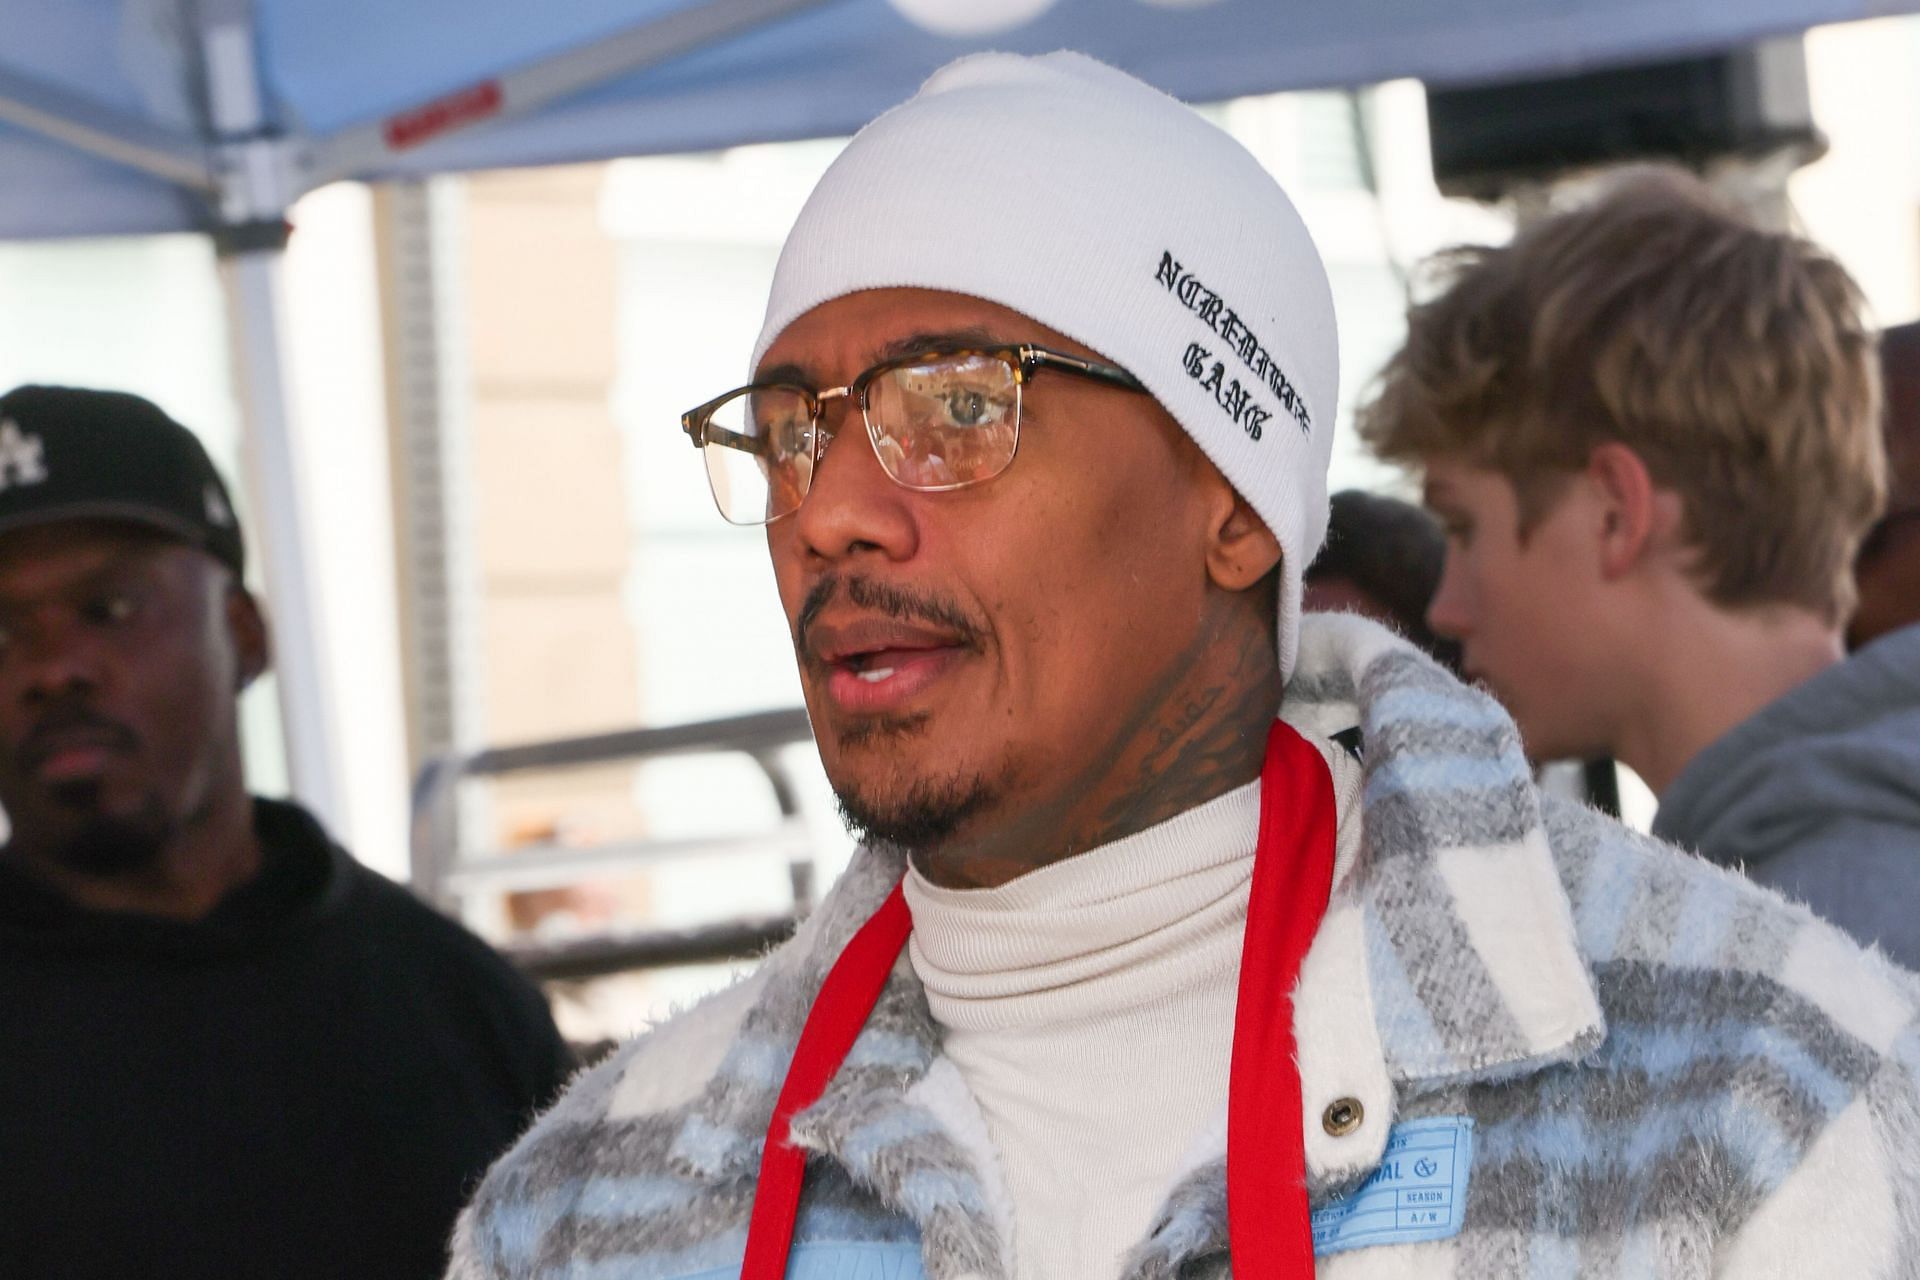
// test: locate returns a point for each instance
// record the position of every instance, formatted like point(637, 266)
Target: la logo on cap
point(218, 512)
point(22, 457)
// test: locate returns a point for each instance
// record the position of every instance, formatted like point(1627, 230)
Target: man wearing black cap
point(229, 1049)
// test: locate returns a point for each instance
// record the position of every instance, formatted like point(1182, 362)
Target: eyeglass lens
point(759, 454)
point(939, 423)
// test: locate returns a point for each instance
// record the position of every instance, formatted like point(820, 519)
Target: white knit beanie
point(1104, 209)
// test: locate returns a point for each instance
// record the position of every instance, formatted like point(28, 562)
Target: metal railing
point(445, 876)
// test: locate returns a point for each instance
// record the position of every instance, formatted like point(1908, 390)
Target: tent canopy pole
point(525, 89)
point(252, 208)
point(85, 125)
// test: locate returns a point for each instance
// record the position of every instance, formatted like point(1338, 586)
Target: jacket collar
point(1471, 960)
point(1448, 958)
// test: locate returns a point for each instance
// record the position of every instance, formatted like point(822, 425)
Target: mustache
point(43, 739)
point(902, 604)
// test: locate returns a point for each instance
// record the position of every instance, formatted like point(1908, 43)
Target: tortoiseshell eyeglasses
point(941, 419)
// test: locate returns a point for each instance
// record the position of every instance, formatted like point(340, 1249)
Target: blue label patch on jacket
point(852, 1261)
point(1418, 1193)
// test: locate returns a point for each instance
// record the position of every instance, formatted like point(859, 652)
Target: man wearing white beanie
point(1139, 972)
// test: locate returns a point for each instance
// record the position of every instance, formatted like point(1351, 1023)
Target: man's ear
point(1635, 516)
point(247, 626)
point(1242, 550)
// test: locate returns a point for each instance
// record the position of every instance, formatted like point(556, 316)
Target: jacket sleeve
point(519, 1223)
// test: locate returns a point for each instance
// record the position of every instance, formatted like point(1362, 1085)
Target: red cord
point(1270, 1233)
point(1269, 1227)
point(846, 999)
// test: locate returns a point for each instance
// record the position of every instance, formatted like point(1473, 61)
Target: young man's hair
point(1737, 363)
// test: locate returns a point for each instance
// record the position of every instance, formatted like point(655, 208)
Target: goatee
point(102, 845)
point(919, 819)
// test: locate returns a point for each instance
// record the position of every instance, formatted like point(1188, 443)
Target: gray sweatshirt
point(1818, 796)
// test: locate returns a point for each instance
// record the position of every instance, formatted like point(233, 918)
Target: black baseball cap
point(68, 453)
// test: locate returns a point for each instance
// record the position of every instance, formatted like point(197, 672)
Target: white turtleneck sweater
point(1089, 1007)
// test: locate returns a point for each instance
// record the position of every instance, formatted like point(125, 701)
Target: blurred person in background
point(1047, 1026)
point(1888, 567)
point(1652, 434)
point(229, 1049)
point(1383, 561)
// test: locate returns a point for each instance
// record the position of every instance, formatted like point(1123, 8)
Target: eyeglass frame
point(1024, 358)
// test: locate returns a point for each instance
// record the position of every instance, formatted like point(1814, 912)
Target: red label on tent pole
point(463, 107)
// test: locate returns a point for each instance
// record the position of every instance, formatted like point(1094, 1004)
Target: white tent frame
point(249, 176)
point(245, 174)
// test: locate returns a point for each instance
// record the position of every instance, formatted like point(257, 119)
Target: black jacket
point(306, 1083)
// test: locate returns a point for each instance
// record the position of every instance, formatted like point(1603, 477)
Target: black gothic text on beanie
point(1214, 312)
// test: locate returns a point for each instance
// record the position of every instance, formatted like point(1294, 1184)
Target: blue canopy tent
point(138, 116)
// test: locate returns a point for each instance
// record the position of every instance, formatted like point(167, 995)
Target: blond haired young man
point(1652, 433)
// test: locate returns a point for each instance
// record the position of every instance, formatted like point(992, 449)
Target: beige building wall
point(553, 537)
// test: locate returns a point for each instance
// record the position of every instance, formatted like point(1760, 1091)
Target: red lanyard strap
point(1269, 1231)
point(846, 1000)
point(1269, 1227)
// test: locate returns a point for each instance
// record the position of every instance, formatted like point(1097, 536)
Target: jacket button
point(1343, 1117)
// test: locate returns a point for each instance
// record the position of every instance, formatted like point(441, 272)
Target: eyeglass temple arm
point(706, 431)
point(702, 430)
point(1113, 374)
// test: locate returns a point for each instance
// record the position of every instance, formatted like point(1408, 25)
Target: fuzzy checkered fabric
point(1669, 1072)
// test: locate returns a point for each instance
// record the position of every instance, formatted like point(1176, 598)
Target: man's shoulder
point(1698, 963)
point(667, 1067)
point(1757, 1063)
point(657, 1074)
point(375, 922)
point(613, 1138)
point(394, 915)
point(1640, 901)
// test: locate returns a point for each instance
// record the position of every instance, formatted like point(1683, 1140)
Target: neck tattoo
point(1199, 732)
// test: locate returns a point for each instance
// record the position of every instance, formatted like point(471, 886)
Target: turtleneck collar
point(1106, 929)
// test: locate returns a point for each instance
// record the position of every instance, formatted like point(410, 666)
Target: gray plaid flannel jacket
point(1661, 1070)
